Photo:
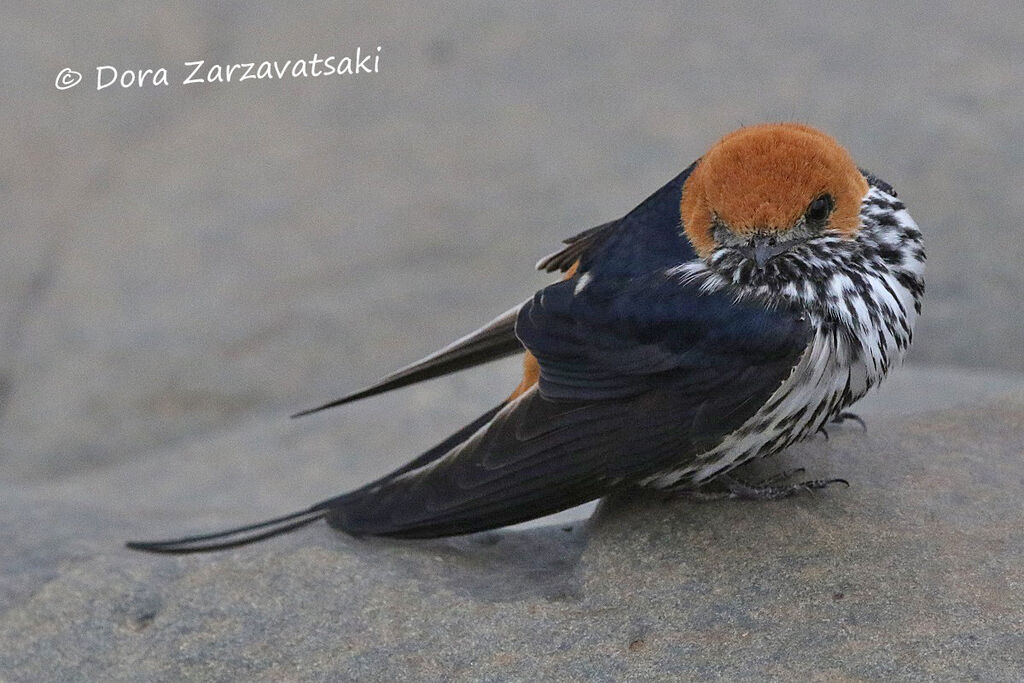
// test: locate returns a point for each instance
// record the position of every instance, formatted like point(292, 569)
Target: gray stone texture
point(914, 572)
point(185, 265)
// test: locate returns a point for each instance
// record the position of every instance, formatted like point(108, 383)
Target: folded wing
point(625, 391)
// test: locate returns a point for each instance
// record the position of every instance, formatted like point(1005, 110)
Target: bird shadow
point(496, 566)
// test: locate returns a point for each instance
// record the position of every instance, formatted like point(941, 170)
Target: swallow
point(737, 310)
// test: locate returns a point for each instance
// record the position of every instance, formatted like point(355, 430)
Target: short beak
point(763, 249)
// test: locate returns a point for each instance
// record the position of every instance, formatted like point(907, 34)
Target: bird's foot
point(771, 488)
point(840, 419)
point(844, 416)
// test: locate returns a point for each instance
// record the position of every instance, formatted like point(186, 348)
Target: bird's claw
point(844, 416)
point(742, 491)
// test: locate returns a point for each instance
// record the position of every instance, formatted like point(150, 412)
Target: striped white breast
point(862, 316)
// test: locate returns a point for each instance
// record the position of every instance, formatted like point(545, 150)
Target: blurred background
point(182, 261)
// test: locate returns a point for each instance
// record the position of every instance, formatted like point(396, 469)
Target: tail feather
point(231, 538)
point(495, 340)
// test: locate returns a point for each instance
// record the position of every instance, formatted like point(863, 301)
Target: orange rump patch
point(762, 179)
point(531, 375)
point(531, 368)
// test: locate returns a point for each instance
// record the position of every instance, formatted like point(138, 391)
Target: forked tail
point(363, 500)
point(231, 538)
point(495, 340)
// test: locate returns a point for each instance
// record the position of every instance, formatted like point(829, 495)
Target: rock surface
point(184, 266)
point(914, 572)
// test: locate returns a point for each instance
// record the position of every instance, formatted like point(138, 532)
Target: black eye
point(819, 209)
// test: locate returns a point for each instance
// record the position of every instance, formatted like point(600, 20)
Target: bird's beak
point(762, 249)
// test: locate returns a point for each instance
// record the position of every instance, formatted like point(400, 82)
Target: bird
point(737, 310)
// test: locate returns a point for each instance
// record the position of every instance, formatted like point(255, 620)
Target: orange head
point(771, 184)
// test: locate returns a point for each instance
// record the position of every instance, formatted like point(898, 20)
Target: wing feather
point(593, 423)
point(495, 340)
